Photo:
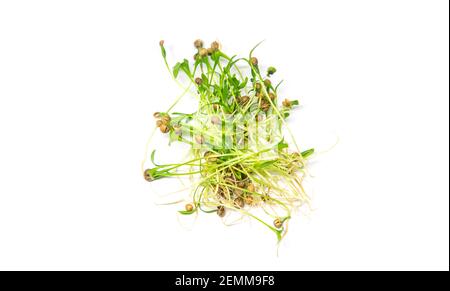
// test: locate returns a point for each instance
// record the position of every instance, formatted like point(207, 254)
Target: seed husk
point(249, 199)
point(265, 106)
point(166, 119)
point(254, 61)
point(148, 175)
point(189, 207)
point(198, 81)
point(239, 202)
point(242, 184)
point(164, 128)
point(203, 52)
point(221, 211)
point(215, 45)
point(287, 103)
point(278, 223)
point(243, 100)
point(198, 43)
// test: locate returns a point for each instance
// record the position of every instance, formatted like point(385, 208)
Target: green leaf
point(307, 153)
point(295, 102)
point(185, 68)
point(205, 80)
point(234, 81)
point(282, 145)
point(176, 69)
point(244, 83)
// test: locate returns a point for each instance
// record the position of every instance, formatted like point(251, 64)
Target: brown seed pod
point(210, 51)
point(220, 193)
point(161, 42)
point(258, 87)
point(216, 106)
point(215, 45)
point(148, 175)
point(242, 184)
point(272, 96)
point(277, 223)
point(265, 106)
point(249, 199)
point(239, 202)
point(221, 211)
point(267, 82)
point(251, 188)
point(198, 43)
point(198, 81)
point(243, 100)
point(164, 128)
point(157, 115)
point(203, 52)
point(159, 123)
point(189, 207)
point(254, 61)
point(166, 119)
point(287, 103)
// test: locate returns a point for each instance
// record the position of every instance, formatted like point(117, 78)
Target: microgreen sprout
point(239, 156)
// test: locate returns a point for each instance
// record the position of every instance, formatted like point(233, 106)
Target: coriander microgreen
point(240, 164)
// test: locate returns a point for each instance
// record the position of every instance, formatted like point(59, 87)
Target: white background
point(79, 81)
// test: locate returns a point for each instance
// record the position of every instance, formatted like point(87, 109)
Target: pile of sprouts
point(239, 159)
